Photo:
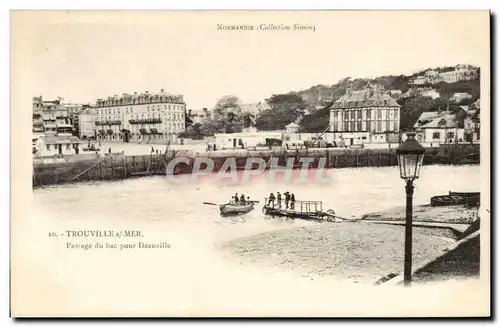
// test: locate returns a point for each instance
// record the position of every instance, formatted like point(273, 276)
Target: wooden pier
point(309, 210)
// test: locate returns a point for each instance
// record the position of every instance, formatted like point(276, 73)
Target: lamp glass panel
point(409, 165)
point(420, 160)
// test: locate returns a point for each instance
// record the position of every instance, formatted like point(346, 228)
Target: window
point(379, 126)
point(436, 136)
point(359, 114)
point(48, 147)
point(68, 146)
point(346, 126)
point(353, 126)
point(450, 135)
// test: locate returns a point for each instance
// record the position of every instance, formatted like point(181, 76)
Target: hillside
point(412, 98)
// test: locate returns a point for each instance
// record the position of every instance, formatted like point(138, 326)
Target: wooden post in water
point(357, 159)
point(100, 169)
point(133, 163)
point(113, 167)
point(77, 176)
point(380, 159)
point(144, 162)
point(88, 175)
point(123, 167)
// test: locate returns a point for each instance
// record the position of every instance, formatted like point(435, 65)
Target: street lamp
point(410, 156)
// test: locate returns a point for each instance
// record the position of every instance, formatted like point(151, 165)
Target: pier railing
point(297, 206)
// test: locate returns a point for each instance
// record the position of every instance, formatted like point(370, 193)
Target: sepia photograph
point(250, 163)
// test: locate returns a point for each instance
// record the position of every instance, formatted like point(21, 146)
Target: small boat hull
point(233, 209)
point(456, 198)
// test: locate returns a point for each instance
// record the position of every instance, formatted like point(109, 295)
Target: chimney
point(205, 109)
point(189, 112)
point(135, 93)
point(161, 90)
point(146, 92)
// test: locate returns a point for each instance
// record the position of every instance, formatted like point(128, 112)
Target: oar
point(212, 204)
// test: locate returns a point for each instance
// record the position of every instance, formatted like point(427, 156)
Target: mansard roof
point(368, 97)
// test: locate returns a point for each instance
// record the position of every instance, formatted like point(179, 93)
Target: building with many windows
point(367, 116)
point(74, 110)
point(459, 73)
point(140, 117)
point(50, 117)
point(52, 129)
point(87, 128)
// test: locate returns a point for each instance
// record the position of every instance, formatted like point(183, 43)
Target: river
point(174, 212)
point(351, 192)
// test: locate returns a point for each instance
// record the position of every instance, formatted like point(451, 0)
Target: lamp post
point(410, 156)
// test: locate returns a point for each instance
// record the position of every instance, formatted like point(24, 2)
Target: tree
point(285, 108)
point(210, 127)
point(225, 105)
point(246, 119)
point(187, 120)
point(317, 121)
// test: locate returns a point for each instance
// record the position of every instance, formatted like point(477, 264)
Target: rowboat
point(237, 209)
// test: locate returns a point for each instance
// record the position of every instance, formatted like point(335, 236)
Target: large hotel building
point(135, 117)
point(367, 116)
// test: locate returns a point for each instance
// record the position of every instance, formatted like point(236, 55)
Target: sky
point(82, 56)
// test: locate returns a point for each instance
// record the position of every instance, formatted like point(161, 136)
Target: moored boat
point(456, 198)
point(236, 209)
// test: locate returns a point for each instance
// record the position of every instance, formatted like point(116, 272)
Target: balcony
point(109, 122)
point(145, 121)
point(151, 131)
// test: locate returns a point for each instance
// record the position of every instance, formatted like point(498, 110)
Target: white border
point(7, 5)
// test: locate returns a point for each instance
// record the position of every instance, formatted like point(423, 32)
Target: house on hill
point(370, 115)
point(442, 127)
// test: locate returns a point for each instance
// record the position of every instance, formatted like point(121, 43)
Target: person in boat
point(242, 199)
point(292, 201)
point(287, 199)
point(271, 200)
point(236, 199)
point(278, 197)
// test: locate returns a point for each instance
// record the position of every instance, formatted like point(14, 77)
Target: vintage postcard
point(250, 164)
